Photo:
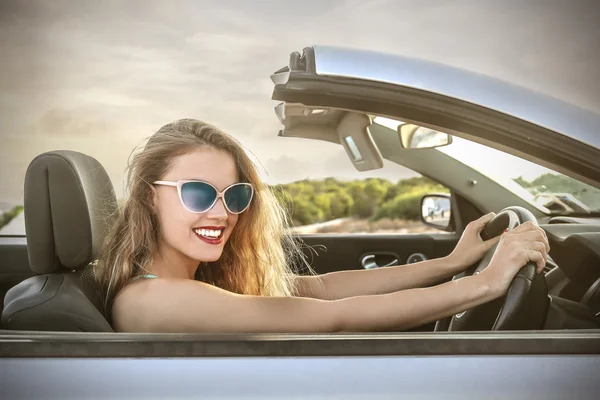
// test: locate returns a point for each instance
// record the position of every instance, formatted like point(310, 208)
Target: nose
point(218, 211)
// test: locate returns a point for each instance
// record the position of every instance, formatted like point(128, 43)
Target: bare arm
point(342, 284)
point(338, 285)
point(174, 305)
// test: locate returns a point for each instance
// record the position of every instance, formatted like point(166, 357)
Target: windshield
point(549, 191)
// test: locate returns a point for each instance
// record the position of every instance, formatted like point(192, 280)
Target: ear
point(154, 199)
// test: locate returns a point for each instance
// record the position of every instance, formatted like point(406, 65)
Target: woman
point(200, 246)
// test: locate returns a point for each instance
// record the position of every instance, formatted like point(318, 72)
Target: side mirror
point(420, 137)
point(436, 211)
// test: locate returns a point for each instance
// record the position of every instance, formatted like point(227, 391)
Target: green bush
point(404, 206)
point(305, 212)
point(340, 203)
point(308, 202)
point(8, 216)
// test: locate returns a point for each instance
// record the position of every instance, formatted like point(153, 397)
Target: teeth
point(209, 232)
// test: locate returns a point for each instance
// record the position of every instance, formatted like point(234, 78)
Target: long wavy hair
point(259, 258)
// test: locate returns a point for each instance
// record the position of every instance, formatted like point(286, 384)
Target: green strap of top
point(144, 276)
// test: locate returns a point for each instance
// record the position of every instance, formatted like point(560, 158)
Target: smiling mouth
point(212, 235)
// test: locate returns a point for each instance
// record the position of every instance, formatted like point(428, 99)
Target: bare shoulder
point(146, 304)
point(130, 308)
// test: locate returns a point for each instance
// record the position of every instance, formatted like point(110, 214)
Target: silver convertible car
point(495, 146)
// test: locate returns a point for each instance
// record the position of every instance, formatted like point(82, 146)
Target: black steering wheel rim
point(527, 293)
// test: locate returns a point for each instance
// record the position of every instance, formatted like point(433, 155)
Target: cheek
point(174, 221)
point(232, 221)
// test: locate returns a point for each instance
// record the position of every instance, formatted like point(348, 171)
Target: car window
point(331, 196)
point(368, 205)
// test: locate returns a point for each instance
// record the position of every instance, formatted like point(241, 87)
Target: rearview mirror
point(436, 211)
point(420, 137)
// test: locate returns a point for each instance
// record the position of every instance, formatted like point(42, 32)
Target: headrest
point(69, 201)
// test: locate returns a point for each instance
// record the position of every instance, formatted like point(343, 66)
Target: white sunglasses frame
point(220, 194)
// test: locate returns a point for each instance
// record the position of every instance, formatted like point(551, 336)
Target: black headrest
point(69, 201)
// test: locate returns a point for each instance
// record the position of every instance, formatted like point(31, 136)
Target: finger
point(488, 244)
point(536, 257)
point(533, 235)
point(524, 227)
point(481, 222)
point(539, 247)
point(546, 237)
point(479, 225)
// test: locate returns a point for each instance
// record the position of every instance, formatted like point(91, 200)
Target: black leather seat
point(69, 200)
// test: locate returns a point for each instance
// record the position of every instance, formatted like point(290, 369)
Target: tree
point(403, 206)
point(305, 212)
point(323, 203)
point(340, 203)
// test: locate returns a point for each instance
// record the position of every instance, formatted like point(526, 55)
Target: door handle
point(369, 262)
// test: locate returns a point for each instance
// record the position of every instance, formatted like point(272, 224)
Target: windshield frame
point(557, 151)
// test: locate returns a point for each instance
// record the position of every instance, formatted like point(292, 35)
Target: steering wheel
point(525, 304)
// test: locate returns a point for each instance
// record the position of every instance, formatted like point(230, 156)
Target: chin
point(208, 256)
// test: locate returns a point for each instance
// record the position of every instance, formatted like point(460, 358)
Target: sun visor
point(304, 122)
point(347, 128)
point(354, 135)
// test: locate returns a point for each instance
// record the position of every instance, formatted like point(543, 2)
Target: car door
point(548, 365)
point(336, 252)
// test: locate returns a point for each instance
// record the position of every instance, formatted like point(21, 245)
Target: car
point(468, 132)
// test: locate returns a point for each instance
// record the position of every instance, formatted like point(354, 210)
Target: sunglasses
point(199, 197)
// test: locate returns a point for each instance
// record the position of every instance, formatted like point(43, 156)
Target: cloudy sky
point(99, 77)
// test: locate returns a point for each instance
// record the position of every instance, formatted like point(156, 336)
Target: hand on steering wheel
point(526, 243)
point(471, 247)
point(512, 269)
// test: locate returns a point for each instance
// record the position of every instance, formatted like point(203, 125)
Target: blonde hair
point(258, 258)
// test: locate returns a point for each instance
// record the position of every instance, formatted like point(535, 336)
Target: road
point(314, 228)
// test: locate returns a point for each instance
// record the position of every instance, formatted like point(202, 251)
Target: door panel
point(337, 252)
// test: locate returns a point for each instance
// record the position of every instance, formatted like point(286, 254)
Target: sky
point(100, 77)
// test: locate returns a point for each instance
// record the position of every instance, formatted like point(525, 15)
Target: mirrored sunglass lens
point(198, 196)
point(238, 197)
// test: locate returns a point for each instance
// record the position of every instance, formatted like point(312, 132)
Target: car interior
point(69, 200)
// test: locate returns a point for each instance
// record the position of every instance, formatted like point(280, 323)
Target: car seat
point(69, 202)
